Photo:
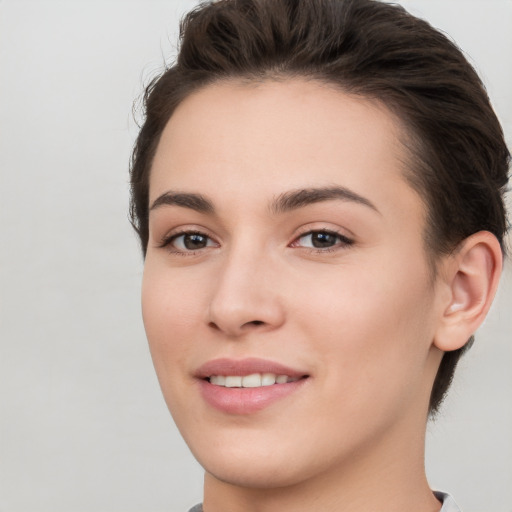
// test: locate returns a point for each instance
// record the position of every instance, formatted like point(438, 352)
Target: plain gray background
point(82, 424)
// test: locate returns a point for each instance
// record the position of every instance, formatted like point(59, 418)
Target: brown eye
point(191, 241)
point(322, 240)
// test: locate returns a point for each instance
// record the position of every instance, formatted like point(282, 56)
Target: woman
point(318, 192)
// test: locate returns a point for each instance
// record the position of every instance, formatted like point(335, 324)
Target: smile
point(249, 385)
point(254, 380)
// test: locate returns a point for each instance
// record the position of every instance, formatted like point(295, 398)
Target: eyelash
point(342, 242)
point(167, 242)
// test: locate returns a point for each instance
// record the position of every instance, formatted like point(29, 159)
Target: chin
point(268, 464)
point(254, 474)
point(250, 478)
point(243, 466)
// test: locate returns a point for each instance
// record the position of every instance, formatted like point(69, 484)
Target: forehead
point(266, 138)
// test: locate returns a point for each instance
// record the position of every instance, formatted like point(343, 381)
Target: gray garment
point(448, 502)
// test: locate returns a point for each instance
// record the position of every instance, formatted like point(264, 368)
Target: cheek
point(172, 301)
point(372, 331)
point(171, 314)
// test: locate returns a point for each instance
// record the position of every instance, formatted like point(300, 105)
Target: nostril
point(214, 326)
point(233, 329)
point(252, 323)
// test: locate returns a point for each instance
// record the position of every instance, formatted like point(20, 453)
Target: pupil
point(192, 242)
point(323, 240)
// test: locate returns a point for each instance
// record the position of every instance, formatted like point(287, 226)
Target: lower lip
point(247, 400)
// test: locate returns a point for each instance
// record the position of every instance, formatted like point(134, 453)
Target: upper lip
point(241, 367)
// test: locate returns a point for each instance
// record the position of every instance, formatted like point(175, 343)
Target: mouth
point(254, 380)
point(247, 373)
point(249, 385)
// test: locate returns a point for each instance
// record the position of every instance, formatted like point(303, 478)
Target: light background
point(82, 424)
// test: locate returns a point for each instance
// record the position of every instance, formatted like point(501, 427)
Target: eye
point(322, 239)
point(189, 241)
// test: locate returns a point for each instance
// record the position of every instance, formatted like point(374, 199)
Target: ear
point(471, 277)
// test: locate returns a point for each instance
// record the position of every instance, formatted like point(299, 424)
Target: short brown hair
point(459, 160)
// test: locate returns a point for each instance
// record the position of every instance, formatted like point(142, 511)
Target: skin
point(360, 318)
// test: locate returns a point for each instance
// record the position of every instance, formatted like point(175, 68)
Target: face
point(287, 297)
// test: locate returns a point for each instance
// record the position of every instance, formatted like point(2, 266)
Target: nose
point(246, 297)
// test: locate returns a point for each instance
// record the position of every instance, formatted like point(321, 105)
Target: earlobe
point(472, 277)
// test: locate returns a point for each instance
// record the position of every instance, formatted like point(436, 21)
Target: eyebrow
point(195, 202)
point(300, 198)
point(286, 202)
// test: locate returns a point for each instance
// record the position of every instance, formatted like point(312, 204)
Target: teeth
point(254, 380)
point(268, 379)
point(251, 381)
point(233, 382)
point(219, 380)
